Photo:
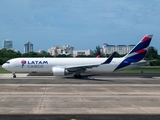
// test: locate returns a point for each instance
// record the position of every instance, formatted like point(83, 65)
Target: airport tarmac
point(94, 95)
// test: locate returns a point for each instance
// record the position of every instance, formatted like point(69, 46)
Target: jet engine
point(57, 71)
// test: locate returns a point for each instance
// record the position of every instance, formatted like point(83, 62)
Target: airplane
point(77, 66)
point(98, 56)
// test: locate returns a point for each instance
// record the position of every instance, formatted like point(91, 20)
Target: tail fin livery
point(140, 50)
point(98, 56)
point(137, 53)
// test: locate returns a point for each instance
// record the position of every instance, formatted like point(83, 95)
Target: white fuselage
point(64, 66)
point(45, 65)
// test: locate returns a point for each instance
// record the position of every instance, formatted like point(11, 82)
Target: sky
point(83, 24)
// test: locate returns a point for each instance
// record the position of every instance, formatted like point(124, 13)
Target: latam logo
point(34, 64)
point(23, 63)
point(37, 62)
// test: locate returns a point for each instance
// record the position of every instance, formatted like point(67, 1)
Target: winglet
point(109, 58)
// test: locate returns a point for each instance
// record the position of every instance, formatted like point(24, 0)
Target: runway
point(94, 95)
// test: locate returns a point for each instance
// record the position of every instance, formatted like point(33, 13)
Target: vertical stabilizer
point(140, 50)
point(137, 53)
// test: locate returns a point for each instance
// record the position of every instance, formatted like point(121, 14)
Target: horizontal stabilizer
point(144, 62)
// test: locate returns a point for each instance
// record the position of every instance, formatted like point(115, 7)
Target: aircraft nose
point(4, 66)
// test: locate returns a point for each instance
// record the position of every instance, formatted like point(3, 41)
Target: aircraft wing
point(87, 66)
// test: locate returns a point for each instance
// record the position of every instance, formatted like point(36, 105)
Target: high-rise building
point(81, 52)
point(121, 49)
point(7, 44)
point(28, 47)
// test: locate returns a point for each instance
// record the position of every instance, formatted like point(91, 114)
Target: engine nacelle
point(59, 71)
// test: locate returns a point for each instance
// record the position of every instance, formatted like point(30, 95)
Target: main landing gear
point(14, 75)
point(77, 76)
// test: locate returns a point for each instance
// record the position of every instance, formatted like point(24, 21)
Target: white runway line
point(22, 75)
point(121, 78)
point(9, 75)
point(156, 77)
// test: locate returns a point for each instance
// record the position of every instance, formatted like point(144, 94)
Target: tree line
point(5, 55)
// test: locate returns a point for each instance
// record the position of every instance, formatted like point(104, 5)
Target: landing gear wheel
point(14, 76)
point(77, 76)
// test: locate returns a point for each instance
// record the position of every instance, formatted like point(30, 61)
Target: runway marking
point(79, 98)
point(22, 75)
point(122, 78)
point(156, 77)
point(81, 85)
point(42, 99)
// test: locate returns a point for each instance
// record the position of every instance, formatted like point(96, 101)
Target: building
point(59, 50)
point(121, 49)
point(81, 52)
point(41, 51)
point(7, 44)
point(28, 47)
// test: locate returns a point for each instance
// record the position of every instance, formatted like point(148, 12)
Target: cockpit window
point(8, 62)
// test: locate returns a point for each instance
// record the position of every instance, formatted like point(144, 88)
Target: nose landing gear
point(14, 75)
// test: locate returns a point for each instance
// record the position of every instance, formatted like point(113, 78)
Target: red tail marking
point(141, 51)
point(145, 39)
point(98, 56)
